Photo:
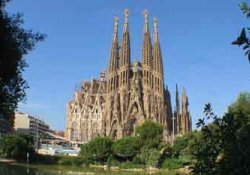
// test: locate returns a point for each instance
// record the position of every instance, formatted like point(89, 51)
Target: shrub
point(98, 149)
point(17, 146)
point(131, 165)
point(46, 159)
point(172, 163)
point(127, 147)
point(150, 134)
point(182, 144)
point(150, 157)
point(65, 161)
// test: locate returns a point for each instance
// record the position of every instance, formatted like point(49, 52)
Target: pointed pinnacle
point(156, 30)
point(155, 22)
point(126, 14)
point(145, 14)
point(116, 22)
point(115, 28)
point(146, 21)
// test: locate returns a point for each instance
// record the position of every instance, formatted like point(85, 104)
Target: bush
point(98, 149)
point(131, 165)
point(46, 159)
point(65, 161)
point(172, 163)
point(17, 146)
point(127, 147)
point(150, 134)
point(182, 144)
point(150, 157)
point(112, 161)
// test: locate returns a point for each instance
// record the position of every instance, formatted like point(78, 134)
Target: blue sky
point(195, 37)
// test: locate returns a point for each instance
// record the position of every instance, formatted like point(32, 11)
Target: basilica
point(127, 94)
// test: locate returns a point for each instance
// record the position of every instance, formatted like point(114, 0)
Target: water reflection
point(27, 170)
point(19, 170)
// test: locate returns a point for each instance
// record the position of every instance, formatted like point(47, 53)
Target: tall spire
point(125, 27)
point(157, 56)
point(156, 39)
point(147, 46)
point(125, 55)
point(177, 101)
point(146, 28)
point(184, 101)
point(114, 60)
point(114, 56)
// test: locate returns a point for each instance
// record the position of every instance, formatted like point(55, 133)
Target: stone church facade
point(127, 94)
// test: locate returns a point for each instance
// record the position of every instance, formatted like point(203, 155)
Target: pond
point(59, 170)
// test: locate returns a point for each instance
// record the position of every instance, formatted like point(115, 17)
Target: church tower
point(124, 71)
point(112, 111)
point(157, 62)
point(186, 123)
point(114, 61)
point(158, 79)
point(131, 93)
point(147, 68)
point(177, 112)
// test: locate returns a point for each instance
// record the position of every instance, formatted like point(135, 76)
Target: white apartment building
point(24, 123)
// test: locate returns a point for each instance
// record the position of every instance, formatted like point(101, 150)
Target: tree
point(243, 39)
point(98, 149)
point(182, 144)
point(150, 156)
point(235, 132)
point(127, 147)
point(223, 146)
point(15, 43)
point(17, 146)
point(150, 133)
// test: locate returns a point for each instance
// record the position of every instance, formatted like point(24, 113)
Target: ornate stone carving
point(130, 93)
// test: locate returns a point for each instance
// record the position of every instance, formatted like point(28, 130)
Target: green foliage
point(150, 133)
point(46, 159)
point(131, 165)
point(149, 156)
point(171, 163)
point(127, 147)
point(243, 39)
point(241, 105)
point(223, 146)
point(97, 149)
point(153, 157)
point(182, 144)
point(176, 163)
point(112, 161)
point(15, 42)
point(73, 161)
point(16, 146)
point(245, 9)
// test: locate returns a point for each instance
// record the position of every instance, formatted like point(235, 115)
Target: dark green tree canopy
point(127, 147)
point(223, 146)
point(17, 146)
point(15, 43)
point(150, 133)
point(97, 149)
